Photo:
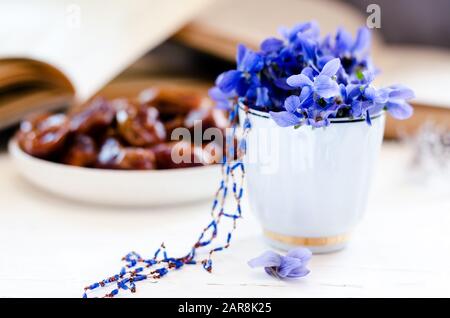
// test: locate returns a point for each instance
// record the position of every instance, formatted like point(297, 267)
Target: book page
point(426, 70)
point(221, 26)
point(89, 41)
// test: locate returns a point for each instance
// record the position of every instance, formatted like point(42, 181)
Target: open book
point(54, 53)
point(28, 85)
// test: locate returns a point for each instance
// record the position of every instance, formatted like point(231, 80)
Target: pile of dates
point(132, 134)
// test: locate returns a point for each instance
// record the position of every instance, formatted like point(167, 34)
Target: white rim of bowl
point(16, 151)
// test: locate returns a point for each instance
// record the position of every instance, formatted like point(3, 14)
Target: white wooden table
point(53, 247)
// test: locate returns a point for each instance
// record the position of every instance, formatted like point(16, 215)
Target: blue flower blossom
point(323, 84)
point(271, 45)
point(293, 265)
point(309, 29)
point(223, 100)
point(346, 46)
point(292, 115)
point(316, 101)
point(302, 79)
point(353, 53)
point(249, 63)
point(394, 98)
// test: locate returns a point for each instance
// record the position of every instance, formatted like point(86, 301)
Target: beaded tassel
point(138, 269)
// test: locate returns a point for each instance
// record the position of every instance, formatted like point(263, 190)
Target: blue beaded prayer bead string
point(138, 269)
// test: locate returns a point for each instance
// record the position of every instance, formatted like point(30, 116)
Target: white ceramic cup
point(309, 186)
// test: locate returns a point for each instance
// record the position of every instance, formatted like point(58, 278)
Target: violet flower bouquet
point(303, 79)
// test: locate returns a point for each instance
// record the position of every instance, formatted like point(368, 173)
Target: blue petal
point(249, 94)
point(292, 103)
point(250, 62)
point(344, 41)
point(308, 71)
point(368, 119)
point(301, 253)
point(291, 34)
point(284, 32)
point(325, 87)
point(241, 49)
point(228, 81)
point(281, 83)
point(381, 96)
point(288, 266)
point(267, 259)
point(369, 76)
point(262, 97)
point(326, 43)
point(312, 30)
point(375, 109)
point(306, 97)
point(216, 93)
point(399, 109)
point(285, 119)
point(401, 92)
point(331, 68)
point(362, 41)
point(298, 272)
point(353, 91)
point(343, 92)
point(317, 124)
point(242, 86)
point(321, 61)
point(253, 79)
point(359, 107)
point(308, 46)
point(299, 80)
point(271, 45)
point(370, 93)
point(222, 99)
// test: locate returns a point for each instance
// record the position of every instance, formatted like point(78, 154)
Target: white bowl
point(118, 187)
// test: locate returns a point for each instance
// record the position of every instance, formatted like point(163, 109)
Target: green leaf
point(359, 75)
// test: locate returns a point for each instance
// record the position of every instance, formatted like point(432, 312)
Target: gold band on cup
point(307, 241)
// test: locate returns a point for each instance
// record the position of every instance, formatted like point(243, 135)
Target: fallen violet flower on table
point(293, 265)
